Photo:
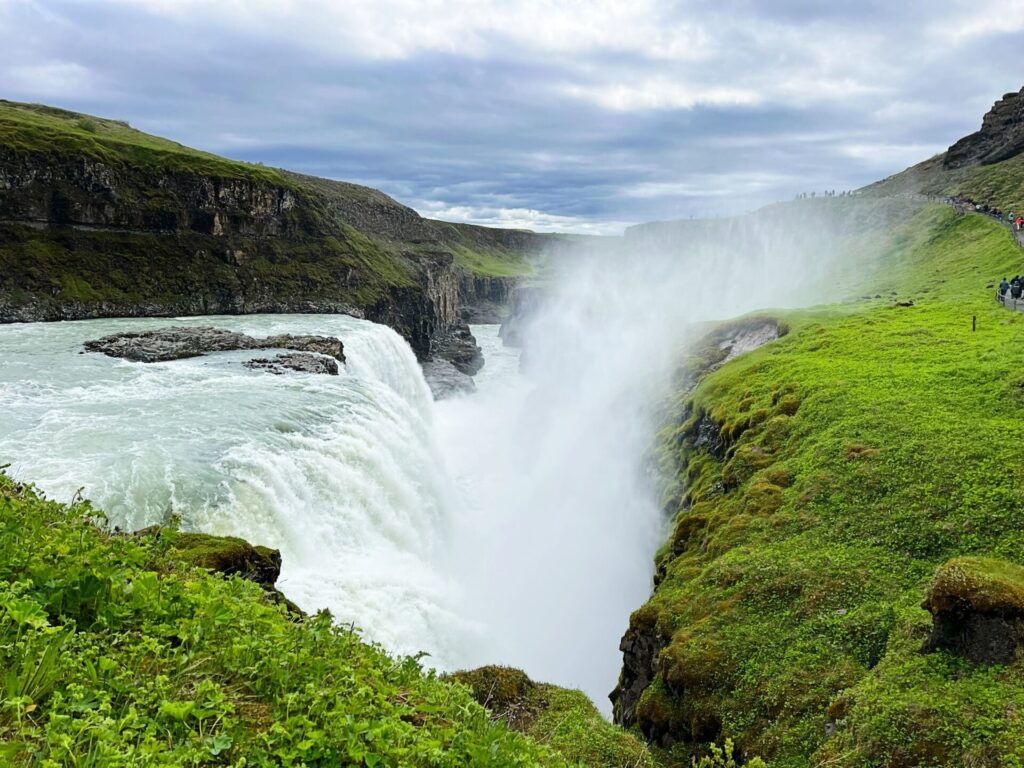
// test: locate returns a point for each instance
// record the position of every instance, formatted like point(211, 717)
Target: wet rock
point(445, 380)
point(458, 346)
point(177, 343)
point(640, 646)
point(746, 337)
point(977, 607)
point(706, 435)
point(321, 345)
point(301, 362)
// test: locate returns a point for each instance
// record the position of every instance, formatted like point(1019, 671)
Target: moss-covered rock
point(977, 607)
point(565, 720)
point(228, 555)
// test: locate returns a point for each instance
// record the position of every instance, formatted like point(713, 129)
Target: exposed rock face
point(640, 647)
point(89, 193)
point(177, 343)
point(485, 299)
point(1001, 135)
point(977, 607)
point(643, 642)
point(707, 436)
point(748, 337)
point(445, 380)
point(458, 346)
point(301, 362)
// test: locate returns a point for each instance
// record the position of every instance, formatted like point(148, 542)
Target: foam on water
point(340, 473)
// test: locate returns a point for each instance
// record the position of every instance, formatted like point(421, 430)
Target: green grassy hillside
point(116, 651)
point(49, 130)
point(1000, 185)
point(867, 447)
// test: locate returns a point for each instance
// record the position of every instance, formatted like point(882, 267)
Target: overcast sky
point(548, 114)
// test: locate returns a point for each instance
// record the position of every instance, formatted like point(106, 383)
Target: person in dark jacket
point(1015, 289)
point(1004, 287)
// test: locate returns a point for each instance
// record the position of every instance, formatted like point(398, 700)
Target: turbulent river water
point(425, 524)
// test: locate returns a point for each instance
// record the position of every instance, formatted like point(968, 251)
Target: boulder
point(977, 607)
point(302, 362)
point(179, 342)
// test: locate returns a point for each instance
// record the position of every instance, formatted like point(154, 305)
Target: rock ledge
point(179, 342)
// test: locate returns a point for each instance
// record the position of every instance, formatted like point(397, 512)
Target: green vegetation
point(999, 184)
point(115, 651)
point(983, 584)
point(492, 263)
point(191, 271)
point(52, 131)
point(870, 445)
point(565, 720)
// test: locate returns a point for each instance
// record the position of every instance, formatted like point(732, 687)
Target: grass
point(491, 263)
point(35, 128)
point(869, 446)
point(126, 271)
point(1000, 185)
point(115, 651)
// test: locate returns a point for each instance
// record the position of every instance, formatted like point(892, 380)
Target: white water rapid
point(340, 472)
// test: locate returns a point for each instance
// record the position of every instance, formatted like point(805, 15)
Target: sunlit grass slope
point(870, 445)
point(114, 652)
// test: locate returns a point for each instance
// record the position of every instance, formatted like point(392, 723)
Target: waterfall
point(342, 474)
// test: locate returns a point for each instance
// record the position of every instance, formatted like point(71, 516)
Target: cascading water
point(341, 473)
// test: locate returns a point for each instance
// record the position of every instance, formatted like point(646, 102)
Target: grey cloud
point(498, 131)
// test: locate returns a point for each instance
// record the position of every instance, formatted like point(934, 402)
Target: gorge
point(705, 464)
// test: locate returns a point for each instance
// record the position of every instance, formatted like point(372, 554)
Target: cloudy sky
point(550, 114)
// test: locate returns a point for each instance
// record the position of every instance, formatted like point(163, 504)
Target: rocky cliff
point(1000, 138)
point(97, 220)
point(986, 167)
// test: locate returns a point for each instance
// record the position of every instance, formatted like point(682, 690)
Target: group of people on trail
point(1015, 287)
point(1016, 221)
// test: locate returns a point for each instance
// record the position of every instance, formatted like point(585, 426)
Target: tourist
point(1004, 287)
